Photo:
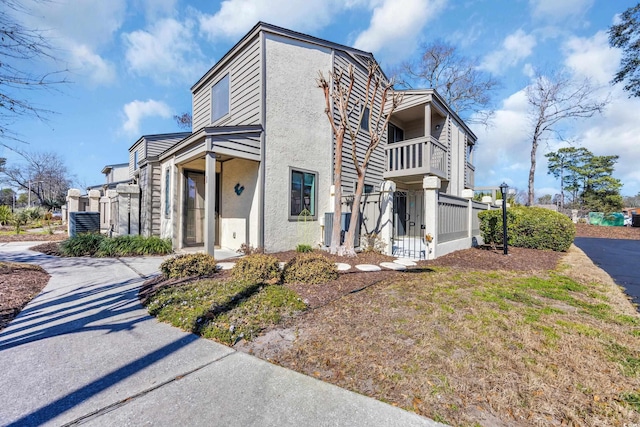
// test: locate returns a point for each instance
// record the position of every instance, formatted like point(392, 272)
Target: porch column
point(468, 194)
point(210, 203)
point(431, 187)
point(387, 189)
point(427, 120)
point(94, 201)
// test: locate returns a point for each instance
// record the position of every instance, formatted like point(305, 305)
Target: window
point(167, 192)
point(395, 134)
point(303, 193)
point(135, 160)
point(220, 99)
point(365, 119)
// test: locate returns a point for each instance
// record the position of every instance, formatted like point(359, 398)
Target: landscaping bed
point(19, 283)
point(587, 230)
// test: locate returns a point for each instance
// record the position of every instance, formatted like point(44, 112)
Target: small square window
point(220, 99)
point(303, 194)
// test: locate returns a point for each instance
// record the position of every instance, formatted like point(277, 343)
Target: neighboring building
point(144, 169)
point(262, 150)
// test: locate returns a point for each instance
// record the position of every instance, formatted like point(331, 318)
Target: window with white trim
point(167, 192)
point(220, 99)
point(303, 193)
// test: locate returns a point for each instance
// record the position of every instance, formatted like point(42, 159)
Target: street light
point(503, 189)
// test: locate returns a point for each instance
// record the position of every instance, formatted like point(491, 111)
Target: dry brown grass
point(494, 348)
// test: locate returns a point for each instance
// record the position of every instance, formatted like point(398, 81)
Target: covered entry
point(409, 224)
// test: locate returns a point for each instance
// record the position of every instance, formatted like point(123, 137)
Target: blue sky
point(132, 63)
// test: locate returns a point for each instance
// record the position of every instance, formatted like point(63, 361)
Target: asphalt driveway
point(618, 258)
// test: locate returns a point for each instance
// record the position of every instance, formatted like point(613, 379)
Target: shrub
point(257, 268)
point(128, 245)
point(529, 227)
point(5, 214)
point(372, 243)
point(249, 250)
point(189, 265)
point(310, 268)
point(302, 248)
point(85, 244)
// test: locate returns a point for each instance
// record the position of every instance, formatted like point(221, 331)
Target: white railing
point(424, 155)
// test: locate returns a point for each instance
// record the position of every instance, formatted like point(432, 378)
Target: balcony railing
point(469, 176)
point(417, 156)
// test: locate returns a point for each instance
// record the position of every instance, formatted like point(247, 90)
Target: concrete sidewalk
point(85, 351)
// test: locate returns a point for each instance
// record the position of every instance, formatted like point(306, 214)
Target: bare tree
point(20, 47)
point(338, 94)
point(552, 100)
point(43, 174)
point(466, 88)
point(184, 121)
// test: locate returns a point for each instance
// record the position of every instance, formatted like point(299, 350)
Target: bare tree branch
point(554, 99)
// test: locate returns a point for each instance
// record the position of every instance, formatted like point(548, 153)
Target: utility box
point(83, 222)
point(344, 227)
point(635, 220)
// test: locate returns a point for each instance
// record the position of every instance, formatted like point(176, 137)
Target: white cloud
point(515, 48)
point(156, 9)
point(395, 26)
point(165, 52)
point(503, 149)
point(137, 110)
point(236, 17)
point(592, 57)
point(557, 10)
point(78, 29)
point(98, 70)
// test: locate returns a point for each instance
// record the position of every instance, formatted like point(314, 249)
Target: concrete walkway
point(85, 351)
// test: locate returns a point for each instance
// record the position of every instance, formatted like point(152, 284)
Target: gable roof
point(358, 55)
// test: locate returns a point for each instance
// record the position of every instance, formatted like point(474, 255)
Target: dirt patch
point(627, 233)
point(19, 283)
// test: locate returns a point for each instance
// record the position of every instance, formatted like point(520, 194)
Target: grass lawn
point(456, 344)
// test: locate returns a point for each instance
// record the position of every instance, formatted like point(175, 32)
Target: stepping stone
point(342, 266)
point(225, 265)
point(393, 266)
point(405, 262)
point(368, 267)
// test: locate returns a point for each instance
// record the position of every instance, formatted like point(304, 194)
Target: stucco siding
point(239, 212)
point(376, 164)
point(244, 91)
point(297, 135)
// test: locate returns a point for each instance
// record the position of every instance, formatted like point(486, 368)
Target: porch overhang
point(225, 141)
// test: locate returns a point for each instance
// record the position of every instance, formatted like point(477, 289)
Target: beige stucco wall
point(297, 135)
point(239, 213)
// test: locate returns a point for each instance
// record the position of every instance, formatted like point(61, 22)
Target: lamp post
point(503, 189)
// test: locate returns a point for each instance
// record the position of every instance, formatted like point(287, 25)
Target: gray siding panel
point(156, 196)
point(377, 162)
point(244, 71)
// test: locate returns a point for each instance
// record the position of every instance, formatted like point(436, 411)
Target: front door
point(194, 208)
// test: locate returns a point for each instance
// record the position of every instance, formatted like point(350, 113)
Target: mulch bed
point(627, 233)
point(19, 283)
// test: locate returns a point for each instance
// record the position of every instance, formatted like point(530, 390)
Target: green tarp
point(615, 219)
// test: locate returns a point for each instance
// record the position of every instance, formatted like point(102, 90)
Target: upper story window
point(365, 119)
point(220, 99)
point(135, 160)
point(394, 134)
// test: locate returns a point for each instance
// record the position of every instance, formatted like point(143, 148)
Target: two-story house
point(262, 151)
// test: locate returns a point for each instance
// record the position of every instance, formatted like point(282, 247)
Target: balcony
point(411, 160)
point(469, 176)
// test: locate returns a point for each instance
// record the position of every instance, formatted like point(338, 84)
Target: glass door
point(194, 208)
